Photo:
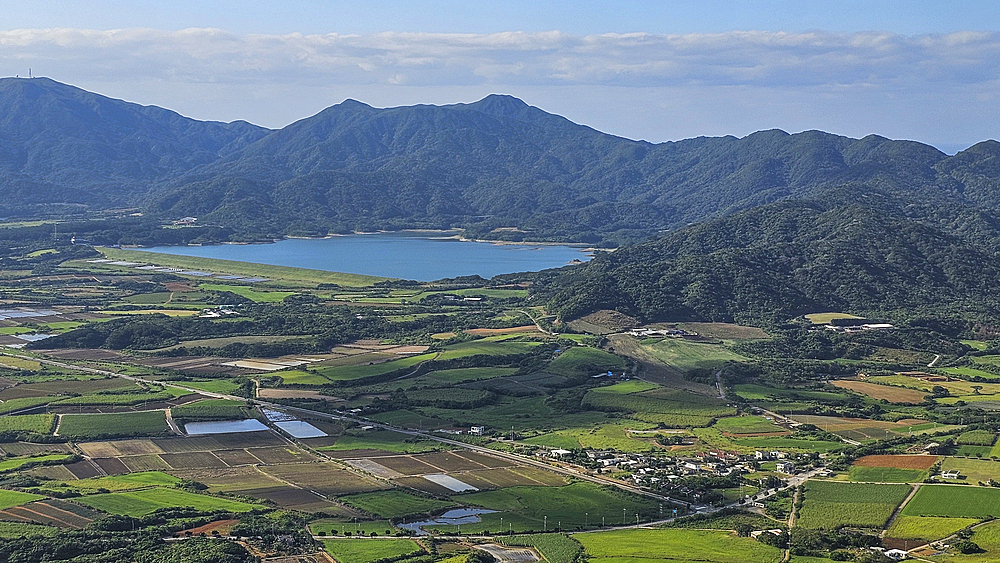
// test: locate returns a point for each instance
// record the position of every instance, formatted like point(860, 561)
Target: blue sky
point(657, 70)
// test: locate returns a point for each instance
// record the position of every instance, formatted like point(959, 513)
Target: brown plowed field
point(921, 462)
point(221, 526)
point(876, 391)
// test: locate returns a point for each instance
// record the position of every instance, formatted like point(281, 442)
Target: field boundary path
point(173, 424)
point(899, 509)
point(537, 324)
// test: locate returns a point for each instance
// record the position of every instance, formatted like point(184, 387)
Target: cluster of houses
point(659, 333)
point(858, 328)
point(658, 472)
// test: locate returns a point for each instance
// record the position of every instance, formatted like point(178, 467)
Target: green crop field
point(95, 426)
point(14, 405)
point(35, 423)
point(223, 386)
point(614, 436)
point(143, 502)
point(395, 503)
point(973, 470)
point(211, 409)
point(14, 530)
point(976, 438)
point(679, 545)
point(686, 355)
point(17, 463)
point(347, 373)
point(555, 548)
point(668, 402)
point(572, 506)
point(254, 295)
point(825, 318)
point(927, 528)
point(367, 550)
point(447, 376)
point(629, 387)
point(485, 347)
point(580, 360)
point(300, 377)
point(886, 475)
point(118, 399)
point(15, 498)
point(960, 502)
point(382, 440)
point(281, 273)
point(129, 482)
point(746, 425)
point(832, 504)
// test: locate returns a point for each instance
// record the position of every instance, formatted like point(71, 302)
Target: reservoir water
point(417, 256)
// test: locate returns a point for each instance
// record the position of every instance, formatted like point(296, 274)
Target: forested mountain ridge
point(63, 145)
point(765, 265)
point(495, 163)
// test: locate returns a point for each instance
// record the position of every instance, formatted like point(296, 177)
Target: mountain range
point(753, 229)
point(498, 168)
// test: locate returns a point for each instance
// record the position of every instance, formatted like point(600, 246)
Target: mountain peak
point(501, 105)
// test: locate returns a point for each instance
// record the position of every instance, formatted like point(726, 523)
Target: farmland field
point(12, 530)
point(17, 463)
point(747, 425)
point(680, 545)
point(141, 503)
point(685, 355)
point(210, 409)
point(90, 426)
point(879, 392)
point(367, 550)
point(973, 470)
point(831, 504)
point(484, 347)
point(947, 500)
point(987, 537)
point(254, 295)
point(574, 506)
point(555, 548)
point(395, 503)
point(14, 498)
point(886, 475)
point(927, 527)
point(347, 373)
point(327, 478)
point(382, 440)
point(35, 423)
point(976, 438)
point(922, 462)
point(582, 360)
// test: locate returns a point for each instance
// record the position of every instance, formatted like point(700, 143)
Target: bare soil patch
point(876, 391)
point(724, 331)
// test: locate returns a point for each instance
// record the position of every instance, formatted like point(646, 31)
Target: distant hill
point(496, 163)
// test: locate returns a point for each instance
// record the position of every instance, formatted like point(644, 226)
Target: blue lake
point(407, 255)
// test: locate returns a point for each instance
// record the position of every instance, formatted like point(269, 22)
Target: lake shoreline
point(421, 255)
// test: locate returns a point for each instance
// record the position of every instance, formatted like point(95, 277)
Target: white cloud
point(635, 59)
point(790, 69)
